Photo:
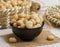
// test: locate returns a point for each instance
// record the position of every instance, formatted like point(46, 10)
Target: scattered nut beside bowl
point(50, 37)
point(12, 40)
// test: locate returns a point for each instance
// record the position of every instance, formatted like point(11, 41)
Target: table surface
point(55, 31)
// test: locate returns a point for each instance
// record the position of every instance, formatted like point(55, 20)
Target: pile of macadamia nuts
point(11, 7)
point(14, 3)
point(22, 20)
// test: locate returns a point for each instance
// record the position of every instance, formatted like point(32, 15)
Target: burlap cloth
point(40, 40)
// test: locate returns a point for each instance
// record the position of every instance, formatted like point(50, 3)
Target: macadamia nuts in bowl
point(27, 28)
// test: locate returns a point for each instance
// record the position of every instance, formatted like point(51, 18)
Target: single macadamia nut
point(19, 26)
point(29, 24)
point(13, 21)
point(28, 16)
point(50, 37)
point(20, 23)
point(24, 3)
point(38, 20)
point(34, 16)
point(15, 17)
point(34, 22)
point(15, 24)
point(14, 3)
point(19, 2)
point(57, 16)
point(1, 5)
point(12, 40)
point(37, 25)
point(41, 19)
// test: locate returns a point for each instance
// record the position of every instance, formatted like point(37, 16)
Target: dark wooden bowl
point(27, 34)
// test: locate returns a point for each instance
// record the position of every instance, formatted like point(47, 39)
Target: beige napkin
point(40, 40)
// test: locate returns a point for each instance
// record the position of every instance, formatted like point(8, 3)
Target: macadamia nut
point(15, 24)
point(57, 16)
point(22, 15)
point(13, 21)
point(29, 24)
point(41, 18)
point(1, 5)
point(21, 23)
point(38, 20)
point(50, 37)
point(19, 26)
point(28, 17)
point(37, 25)
point(19, 2)
point(34, 16)
point(24, 3)
point(34, 22)
point(14, 2)
point(15, 17)
point(12, 40)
